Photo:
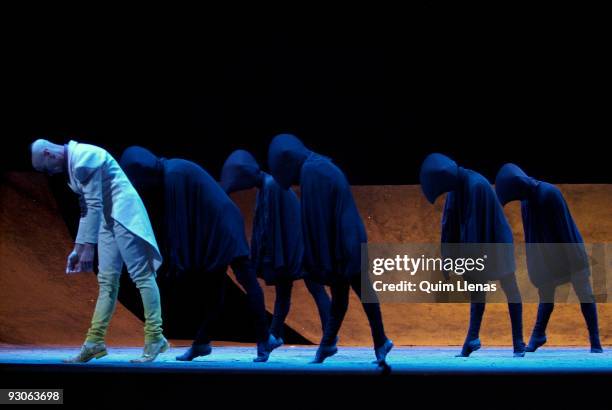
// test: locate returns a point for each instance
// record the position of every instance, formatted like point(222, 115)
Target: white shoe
point(88, 352)
point(151, 350)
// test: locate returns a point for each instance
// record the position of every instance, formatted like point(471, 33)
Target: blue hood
point(439, 174)
point(144, 170)
point(512, 184)
point(240, 171)
point(286, 156)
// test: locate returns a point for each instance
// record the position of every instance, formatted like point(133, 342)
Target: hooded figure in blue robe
point(201, 233)
point(473, 215)
point(555, 249)
point(277, 245)
point(333, 233)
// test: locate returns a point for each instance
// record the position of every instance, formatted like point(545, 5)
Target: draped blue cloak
point(555, 249)
point(199, 227)
point(472, 215)
point(277, 246)
point(332, 227)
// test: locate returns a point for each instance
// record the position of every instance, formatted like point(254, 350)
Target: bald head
point(47, 157)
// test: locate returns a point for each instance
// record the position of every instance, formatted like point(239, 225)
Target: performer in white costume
point(113, 217)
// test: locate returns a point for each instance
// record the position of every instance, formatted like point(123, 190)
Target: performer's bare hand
point(73, 260)
point(81, 258)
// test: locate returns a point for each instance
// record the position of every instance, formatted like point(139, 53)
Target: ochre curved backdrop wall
point(39, 304)
point(401, 214)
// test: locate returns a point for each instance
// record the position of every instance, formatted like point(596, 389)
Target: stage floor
point(348, 360)
point(422, 374)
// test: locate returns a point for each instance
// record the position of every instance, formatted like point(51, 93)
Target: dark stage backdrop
point(377, 108)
